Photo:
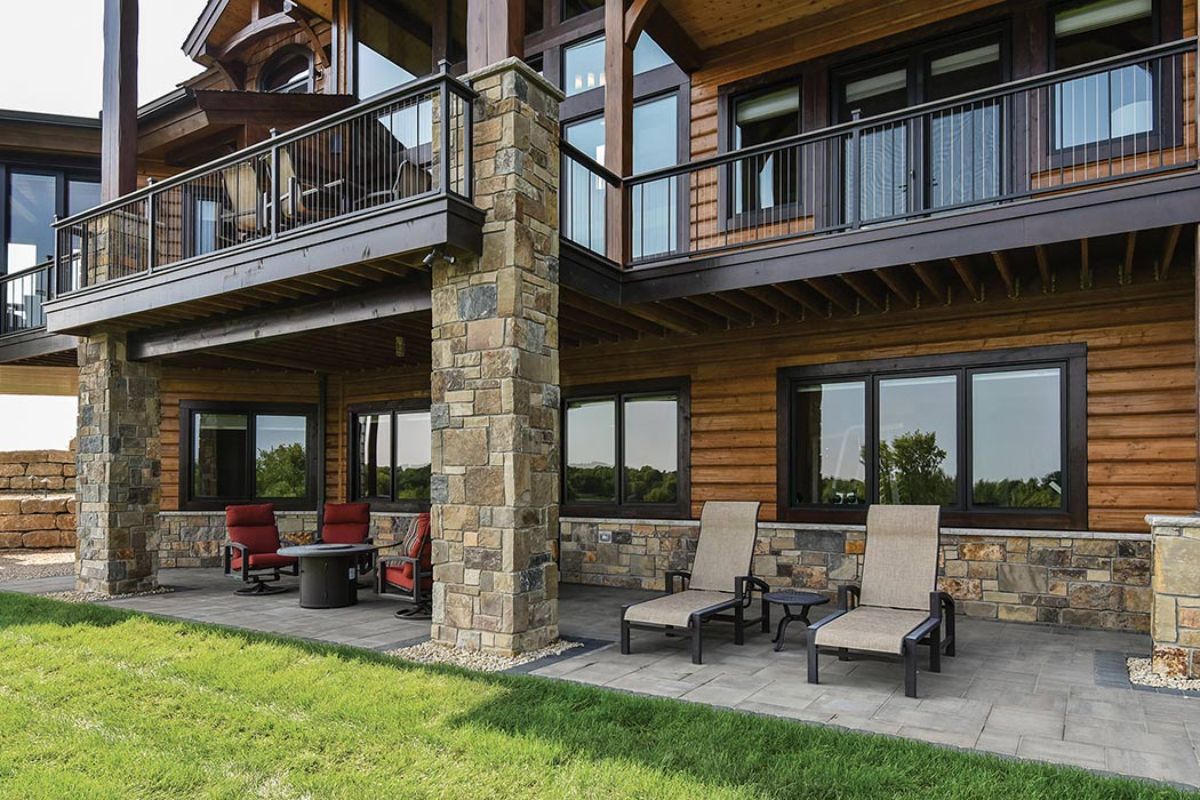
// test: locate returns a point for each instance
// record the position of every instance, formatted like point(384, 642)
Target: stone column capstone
point(1175, 614)
point(495, 383)
point(118, 468)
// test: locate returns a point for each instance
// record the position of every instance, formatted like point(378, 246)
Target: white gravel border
point(1141, 674)
point(95, 597)
point(437, 653)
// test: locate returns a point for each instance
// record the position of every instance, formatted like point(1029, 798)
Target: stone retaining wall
point(1092, 580)
point(194, 538)
point(37, 501)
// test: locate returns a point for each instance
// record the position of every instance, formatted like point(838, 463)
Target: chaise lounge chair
point(898, 606)
point(720, 581)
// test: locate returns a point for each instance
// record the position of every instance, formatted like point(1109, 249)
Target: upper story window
point(626, 449)
point(32, 199)
point(772, 179)
point(1111, 104)
point(960, 162)
point(583, 62)
point(394, 43)
point(987, 436)
point(248, 452)
point(289, 71)
point(390, 455)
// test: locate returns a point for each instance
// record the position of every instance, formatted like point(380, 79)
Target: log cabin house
point(564, 270)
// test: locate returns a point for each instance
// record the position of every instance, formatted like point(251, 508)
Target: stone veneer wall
point(194, 538)
point(1092, 580)
point(37, 500)
point(1176, 619)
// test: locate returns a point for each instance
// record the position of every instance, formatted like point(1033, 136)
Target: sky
point(52, 52)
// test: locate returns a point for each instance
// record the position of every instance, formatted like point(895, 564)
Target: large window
point(583, 62)
point(987, 436)
point(394, 43)
point(1113, 104)
point(390, 455)
point(771, 180)
point(233, 453)
point(626, 450)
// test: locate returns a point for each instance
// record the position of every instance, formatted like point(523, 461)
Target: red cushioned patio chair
point(251, 552)
point(349, 523)
point(410, 574)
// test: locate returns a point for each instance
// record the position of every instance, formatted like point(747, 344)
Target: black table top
point(326, 550)
point(788, 597)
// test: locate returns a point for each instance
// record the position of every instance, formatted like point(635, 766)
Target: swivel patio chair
point(349, 523)
point(898, 607)
point(410, 575)
point(251, 552)
point(720, 582)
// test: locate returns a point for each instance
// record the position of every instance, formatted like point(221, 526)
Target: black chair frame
point(936, 633)
point(257, 584)
point(742, 599)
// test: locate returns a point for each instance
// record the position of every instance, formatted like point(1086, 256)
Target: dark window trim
point(1166, 25)
point(188, 408)
point(352, 474)
point(439, 47)
point(63, 174)
point(283, 54)
point(682, 507)
point(1072, 358)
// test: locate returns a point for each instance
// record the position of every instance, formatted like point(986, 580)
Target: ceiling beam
point(932, 281)
point(835, 293)
point(636, 17)
point(807, 299)
point(674, 40)
point(966, 273)
point(1127, 264)
point(858, 282)
point(1170, 243)
point(1085, 264)
point(1043, 264)
point(898, 284)
point(1000, 259)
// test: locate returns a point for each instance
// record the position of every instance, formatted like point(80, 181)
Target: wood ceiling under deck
point(1139, 258)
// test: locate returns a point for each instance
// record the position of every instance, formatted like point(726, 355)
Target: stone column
point(495, 391)
point(117, 485)
point(1175, 616)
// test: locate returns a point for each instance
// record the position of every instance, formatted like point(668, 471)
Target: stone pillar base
point(1175, 617)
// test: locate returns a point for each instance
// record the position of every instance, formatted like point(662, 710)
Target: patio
point(1035, 692)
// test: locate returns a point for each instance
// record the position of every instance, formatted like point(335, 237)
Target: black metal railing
point(21, 298)
point(413, 142)
point(1132, 115)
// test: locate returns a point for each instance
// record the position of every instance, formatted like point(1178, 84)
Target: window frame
point(63, 175)
point(1163, 29)
point(281, 55)
point(618, 393)
point(393, 407)
point(187, 411)
point(786, 212)
point(1071, 358)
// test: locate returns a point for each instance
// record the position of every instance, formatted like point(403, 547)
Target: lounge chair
point(349, 523)
point(410, 575)
point(720, 581)
point(251, 552)
point(898, 606)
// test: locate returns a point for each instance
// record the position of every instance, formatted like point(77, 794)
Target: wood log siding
point(273, 387)
point(1141, 396)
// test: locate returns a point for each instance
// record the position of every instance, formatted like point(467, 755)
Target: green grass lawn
point(96, 702)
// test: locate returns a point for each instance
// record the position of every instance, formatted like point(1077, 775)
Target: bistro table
point(328, 573)
point(788, 599)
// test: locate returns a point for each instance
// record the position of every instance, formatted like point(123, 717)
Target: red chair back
point(253, 526)
point(416, 544)
point(346, 523)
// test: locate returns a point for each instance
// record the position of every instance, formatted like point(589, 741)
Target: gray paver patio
point(1017, 690)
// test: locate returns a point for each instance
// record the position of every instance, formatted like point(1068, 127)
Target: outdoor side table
point(328, 573)
point(789, 600)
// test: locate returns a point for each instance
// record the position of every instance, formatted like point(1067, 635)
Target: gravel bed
point(1141, 674)
point(435, 653)
point(21, 565)
point(94, 597)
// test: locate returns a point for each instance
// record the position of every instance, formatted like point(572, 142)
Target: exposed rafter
point(966, 274)
point(1043, 264)
point(1170, 243)
point(898, 284)
point(1000, 259)
point(932, 281)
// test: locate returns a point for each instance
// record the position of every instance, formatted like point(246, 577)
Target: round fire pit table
point(802, 600)
point(328, 573)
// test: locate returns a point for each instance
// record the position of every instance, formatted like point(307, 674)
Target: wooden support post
point(118, 161)
point(1196, 341)
point(618, 124)
point(495, 31)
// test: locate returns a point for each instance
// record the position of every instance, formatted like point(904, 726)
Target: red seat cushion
point(254, 527)
point(346, 523)
point(416, 545)
point(262, 561)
